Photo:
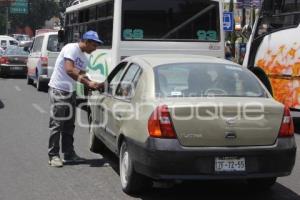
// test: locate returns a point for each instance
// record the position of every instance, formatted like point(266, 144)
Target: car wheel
point(262, 183)
point(29, 81)
point(131, 181)
point(41, 85)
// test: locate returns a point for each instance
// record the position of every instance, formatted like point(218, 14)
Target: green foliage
point(2, 21)
point(39, 12)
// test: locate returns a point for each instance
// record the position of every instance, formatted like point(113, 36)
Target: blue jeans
point(62, 119)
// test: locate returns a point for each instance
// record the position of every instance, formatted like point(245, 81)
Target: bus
point(131, 27)
point(273, 50)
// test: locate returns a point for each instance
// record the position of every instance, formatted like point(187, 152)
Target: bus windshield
point(173, 20)
point(277, 15)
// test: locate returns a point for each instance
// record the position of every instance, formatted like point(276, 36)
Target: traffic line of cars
point(181, 117)
point(36, 62)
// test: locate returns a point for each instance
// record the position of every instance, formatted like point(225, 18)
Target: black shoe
point(72, 158)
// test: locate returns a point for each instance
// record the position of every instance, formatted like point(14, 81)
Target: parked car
point(181, 117)
point(41, 59)
point(6, 41)
point(13, 61)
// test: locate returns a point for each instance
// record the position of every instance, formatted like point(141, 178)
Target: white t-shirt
point(60, 79)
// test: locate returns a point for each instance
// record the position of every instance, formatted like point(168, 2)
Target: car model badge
point(231, 121)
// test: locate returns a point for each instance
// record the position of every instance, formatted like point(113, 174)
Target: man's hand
point(96, 86)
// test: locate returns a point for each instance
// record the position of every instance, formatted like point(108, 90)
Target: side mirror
point(61, 36)
point(26, 49)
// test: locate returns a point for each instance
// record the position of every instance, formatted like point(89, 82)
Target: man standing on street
point(70, 67)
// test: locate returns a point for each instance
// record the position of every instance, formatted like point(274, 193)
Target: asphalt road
point(25, 174)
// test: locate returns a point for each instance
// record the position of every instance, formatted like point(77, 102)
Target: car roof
point(7, 37)
point(161, 59)
point(48, 33)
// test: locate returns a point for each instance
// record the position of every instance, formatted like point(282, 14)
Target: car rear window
point(16, 51)
point(200, 79)
point(52, 43)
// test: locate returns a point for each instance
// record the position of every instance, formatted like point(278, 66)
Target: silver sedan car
point(182, 117)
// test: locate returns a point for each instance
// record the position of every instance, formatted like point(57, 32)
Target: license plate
point(230, 164)
point(16, 68)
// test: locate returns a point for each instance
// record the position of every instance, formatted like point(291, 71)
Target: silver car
point(182, 117)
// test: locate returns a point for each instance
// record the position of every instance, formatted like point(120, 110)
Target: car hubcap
point(124, 169)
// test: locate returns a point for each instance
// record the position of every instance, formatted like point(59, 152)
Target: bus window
point(177, 20)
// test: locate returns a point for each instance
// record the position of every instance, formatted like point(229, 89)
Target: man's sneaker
point(72, 158)
point(55, 161)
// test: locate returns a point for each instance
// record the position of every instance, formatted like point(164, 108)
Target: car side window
point(52, 43)
point(37, 44)
point(12, 42)
point(114, 77)
point(3, 43)
point(126, 88)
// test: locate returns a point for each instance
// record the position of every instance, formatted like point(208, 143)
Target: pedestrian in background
point(70, 67)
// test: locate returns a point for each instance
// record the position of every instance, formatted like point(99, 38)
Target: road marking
point(18, 88)
point(39, 108)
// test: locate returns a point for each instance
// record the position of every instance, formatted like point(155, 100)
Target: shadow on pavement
point(233, 190)
point(90, 162)
point(13, 76)
point(1, 104)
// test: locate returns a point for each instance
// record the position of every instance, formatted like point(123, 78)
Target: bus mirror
point(61, 36)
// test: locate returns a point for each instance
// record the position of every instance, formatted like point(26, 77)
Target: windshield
point(23, 38)
point(201, 79)
point(178, 20)
point(278, 15)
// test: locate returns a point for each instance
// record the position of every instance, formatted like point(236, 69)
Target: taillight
point(287, 125)
point(4, 60)
point(160, 124)
point(44, 61)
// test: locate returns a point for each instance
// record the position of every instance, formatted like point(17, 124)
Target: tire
point(262, 76)
point(29, 81)
point(40, 85)
point(262, 183)
point(131, 181)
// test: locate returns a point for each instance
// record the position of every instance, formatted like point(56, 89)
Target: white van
point(6, 41)
point(41, 59)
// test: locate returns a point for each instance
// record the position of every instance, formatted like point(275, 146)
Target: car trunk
point(18, 60)
point(224, 121)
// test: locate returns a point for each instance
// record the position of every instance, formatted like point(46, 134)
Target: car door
point(120, 107)
point(100, 106)
point(34, 56)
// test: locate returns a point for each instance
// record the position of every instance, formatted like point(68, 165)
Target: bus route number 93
point(207, 35)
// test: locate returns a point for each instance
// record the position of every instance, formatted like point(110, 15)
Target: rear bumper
point(166, 159)
point(13, 70)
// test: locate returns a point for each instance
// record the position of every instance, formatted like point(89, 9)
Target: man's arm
point(79, 75)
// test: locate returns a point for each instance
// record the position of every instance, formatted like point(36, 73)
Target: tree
point(39, 12)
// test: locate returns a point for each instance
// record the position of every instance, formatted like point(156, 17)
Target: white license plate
point(16, 68)
point(230, 164)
